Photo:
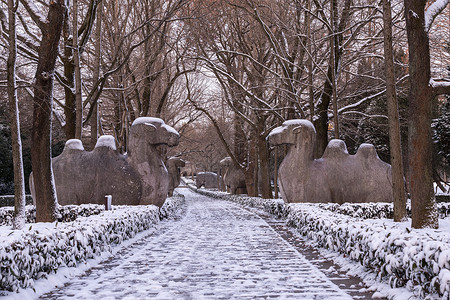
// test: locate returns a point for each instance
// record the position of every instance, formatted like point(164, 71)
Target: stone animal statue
point(337, 177)
point(189, 169)
point(209, 180)
point(173, 167)
point(233, 177)
point(137, 178)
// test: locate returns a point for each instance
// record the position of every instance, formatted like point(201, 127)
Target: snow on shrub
point(64, 213)
point(407, 257)
point(416, 259)
point(174, 207)
point(82, 232)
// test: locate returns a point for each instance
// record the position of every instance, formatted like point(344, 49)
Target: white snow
point(432, 11)
point(145, 120)
point(434, 83)
point(106, 141)
point(360, 244)
point(152, 120)
point(294, 122)
point(221, 250)
point(74, 144)
point(170, 129)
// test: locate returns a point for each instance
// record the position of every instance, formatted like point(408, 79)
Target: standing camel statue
point(137, 178)
point(337, 177)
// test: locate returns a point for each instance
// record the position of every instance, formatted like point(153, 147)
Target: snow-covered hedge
point(174, 207)
point(377, 210)
point(408, 257)
point(65, 213)
point(417, 259)
point(42, 248)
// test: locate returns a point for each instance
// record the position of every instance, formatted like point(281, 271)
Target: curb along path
point(217, 251)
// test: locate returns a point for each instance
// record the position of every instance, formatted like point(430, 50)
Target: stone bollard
point(108, 200)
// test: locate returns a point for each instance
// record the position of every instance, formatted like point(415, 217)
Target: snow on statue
point(337, 177)
point(139, 177)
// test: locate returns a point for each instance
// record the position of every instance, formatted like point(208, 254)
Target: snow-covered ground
point(218, 250)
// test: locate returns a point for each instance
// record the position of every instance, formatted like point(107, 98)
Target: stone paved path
point(217, 251)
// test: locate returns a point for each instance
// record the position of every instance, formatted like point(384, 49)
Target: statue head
point(291, 131)
point(146, 131)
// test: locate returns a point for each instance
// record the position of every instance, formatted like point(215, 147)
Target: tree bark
point(76, 61)
point(16, 142)
point(264, 170)
point(310, 62)
point(423, 202)
point(398, 184)
point(96, 74)
point(70, 109)
point(252, 169)
point(333, 51)
point(45, 192)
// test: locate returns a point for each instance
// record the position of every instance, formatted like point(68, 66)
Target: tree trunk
point(423, 202)
point(76, 61)
point(398, 184)
point(310, 61)
point(321, 123)
point(46, 200)
point(264, 169)
point(96, 75)
point(69, 71)
point(16, 142)
point(252, 188)
point(333, 51)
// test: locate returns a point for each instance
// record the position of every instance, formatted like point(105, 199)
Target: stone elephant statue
point(173, 167)
point(137, 178)
point(336, 177)
point(233, 177)
point(209, 180)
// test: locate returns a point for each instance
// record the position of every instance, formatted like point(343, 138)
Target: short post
point(108, 200)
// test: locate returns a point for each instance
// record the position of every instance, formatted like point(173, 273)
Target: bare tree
point(51, 29)
point(16, 141)
point(77, 82)
point(96, 73)
point(421, 93)
point(398, 184)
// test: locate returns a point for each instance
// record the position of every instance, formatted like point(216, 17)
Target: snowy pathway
point(217, 251)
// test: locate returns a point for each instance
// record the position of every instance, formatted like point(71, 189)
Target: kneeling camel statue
point(337, 177)
point(136, 178)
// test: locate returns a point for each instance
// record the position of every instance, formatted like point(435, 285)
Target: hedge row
point(30, 254)
point(406, 257)
point(64, 213)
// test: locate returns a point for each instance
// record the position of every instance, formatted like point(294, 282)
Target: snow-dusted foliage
point(65, 213)
point(174, 207)
point(407, 257)
point(29, 255)
point(416, 259)
point(32, 255)
point(80, 233)
point(377, 210)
